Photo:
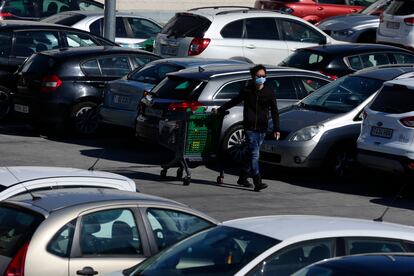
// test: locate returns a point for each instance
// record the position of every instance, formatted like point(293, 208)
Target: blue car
point(121, 97)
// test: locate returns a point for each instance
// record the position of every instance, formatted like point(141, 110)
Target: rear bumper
point(42, 110)
point(384, 161)
point(118, 117)
point(147, 128)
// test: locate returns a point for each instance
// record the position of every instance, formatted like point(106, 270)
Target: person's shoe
point(258, 184)
point(242, 181)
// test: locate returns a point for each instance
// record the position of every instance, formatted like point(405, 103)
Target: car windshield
point(220, 251)
point(343, 95)
point(376, 8)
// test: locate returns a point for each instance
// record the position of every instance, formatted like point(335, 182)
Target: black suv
point(19, 39)
point(37, 9)
point(65, 86)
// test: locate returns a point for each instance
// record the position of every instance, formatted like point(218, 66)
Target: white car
point(275, 245)
point(18, 180)
point(246, 34)
point(130, 29)
point(397, 24)
point(386, 141)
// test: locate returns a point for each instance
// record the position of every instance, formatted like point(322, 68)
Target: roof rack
point(221, 7)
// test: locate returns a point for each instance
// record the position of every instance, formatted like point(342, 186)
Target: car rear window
point(394, 99)
point(38, 64)
point(400, 7)
point(186, 25)
point(17, 227)
point(306, 60)
point(65, 19)
point(179, 88)
point(21, 8)
point(5, 44)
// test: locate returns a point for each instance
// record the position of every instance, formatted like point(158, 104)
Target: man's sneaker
point(244, 182)
point(260, 187)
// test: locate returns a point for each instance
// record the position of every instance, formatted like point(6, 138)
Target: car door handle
point(87, 271)
point(354, 10)
point(320, 8)
point(251, 46)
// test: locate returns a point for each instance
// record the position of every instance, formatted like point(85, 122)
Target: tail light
point(381, 18)
point(16, 266)
point(411, 166)
point(409, 21)
point(364, 115)
point(197, 46)
point(184, 106)
point(331, 76)
point(408, 121)
point(5, 15)
point(50, 83)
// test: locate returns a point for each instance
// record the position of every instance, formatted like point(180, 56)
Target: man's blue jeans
point(253, 142)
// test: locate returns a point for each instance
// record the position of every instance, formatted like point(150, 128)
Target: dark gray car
point(121, 97)
point(212, 87)
point(356, 27)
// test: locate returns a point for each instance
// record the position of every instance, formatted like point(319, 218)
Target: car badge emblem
point(379, 124)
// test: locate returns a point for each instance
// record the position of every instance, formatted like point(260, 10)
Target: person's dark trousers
point(254, 140)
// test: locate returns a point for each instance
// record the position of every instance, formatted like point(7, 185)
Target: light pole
point(109, 19)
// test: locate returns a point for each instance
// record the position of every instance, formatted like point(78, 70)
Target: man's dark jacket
point(257, 104)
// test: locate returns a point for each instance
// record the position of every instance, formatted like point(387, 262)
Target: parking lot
point(289, 192)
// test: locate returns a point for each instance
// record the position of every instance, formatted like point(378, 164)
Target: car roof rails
point(221, 7)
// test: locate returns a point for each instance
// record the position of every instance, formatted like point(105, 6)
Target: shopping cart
point(194, 138)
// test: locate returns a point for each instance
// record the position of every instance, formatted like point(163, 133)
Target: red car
point(314, 10)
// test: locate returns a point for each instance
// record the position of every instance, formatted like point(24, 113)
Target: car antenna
point(398, 195)
point(34, 197)
point(91, 168)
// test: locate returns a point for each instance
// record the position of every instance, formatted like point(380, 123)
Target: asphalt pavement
point(290, 191)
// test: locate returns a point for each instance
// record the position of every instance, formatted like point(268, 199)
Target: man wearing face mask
point(258, 100)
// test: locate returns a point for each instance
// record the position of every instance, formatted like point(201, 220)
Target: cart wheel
point(180, 173)
point(163, 173)
point(186, 181)
point(220, 180)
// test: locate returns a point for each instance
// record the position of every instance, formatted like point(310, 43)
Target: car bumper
point(147, 128)
point(118, 117)
point(307, 154)
point(385, 161)
point(41, 110)
point(398, 40)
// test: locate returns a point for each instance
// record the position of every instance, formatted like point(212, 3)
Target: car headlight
point(346, 32)
point(306, 134)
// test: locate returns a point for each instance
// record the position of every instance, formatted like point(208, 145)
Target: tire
point(5, 103)
point(233, 144)
point(341, 162)
point(84, 118)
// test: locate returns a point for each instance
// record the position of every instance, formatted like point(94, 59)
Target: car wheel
point(5, 102)
point(342, 161)
point(233, 143)
point(85, 118)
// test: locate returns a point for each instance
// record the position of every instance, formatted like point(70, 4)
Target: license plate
point(153, 112)
point(121, 99)
point(168, 50)
point(381, 132)
point(21, 108)
point(393, 25)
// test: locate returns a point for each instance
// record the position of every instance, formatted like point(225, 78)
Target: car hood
point(296, 118)
point(350, 21)
point(12, 175)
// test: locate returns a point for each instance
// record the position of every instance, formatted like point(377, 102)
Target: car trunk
point(183, 32)
point(17, 227)
point(398, 18)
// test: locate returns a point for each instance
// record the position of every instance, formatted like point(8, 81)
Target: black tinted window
point(394, 99)
point(62, 241)
point(97, 27)
point(310, 85)
point(365, 245)
point(230, 90)
point(154, 74)
point(178, 88)
point(79, 40)
point(114, 66)
point(296, 31)
point(233, 30)
point(306, 60)
point(5, 44)
point(337, 2)
point(27, 43)
point(120, 30)
point(51, 7)
point(17, 227)
point(143, 59)
point(368, 60)
point(38, 63)
point(283, 87)
point(400, 7)
point(85, 5)
point(402, 58)
point(261, 28)
point(183, 25)
point(23, 8)
point(91, 68)
point(142, 28)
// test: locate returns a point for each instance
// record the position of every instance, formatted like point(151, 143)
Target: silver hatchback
point(89, 231)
